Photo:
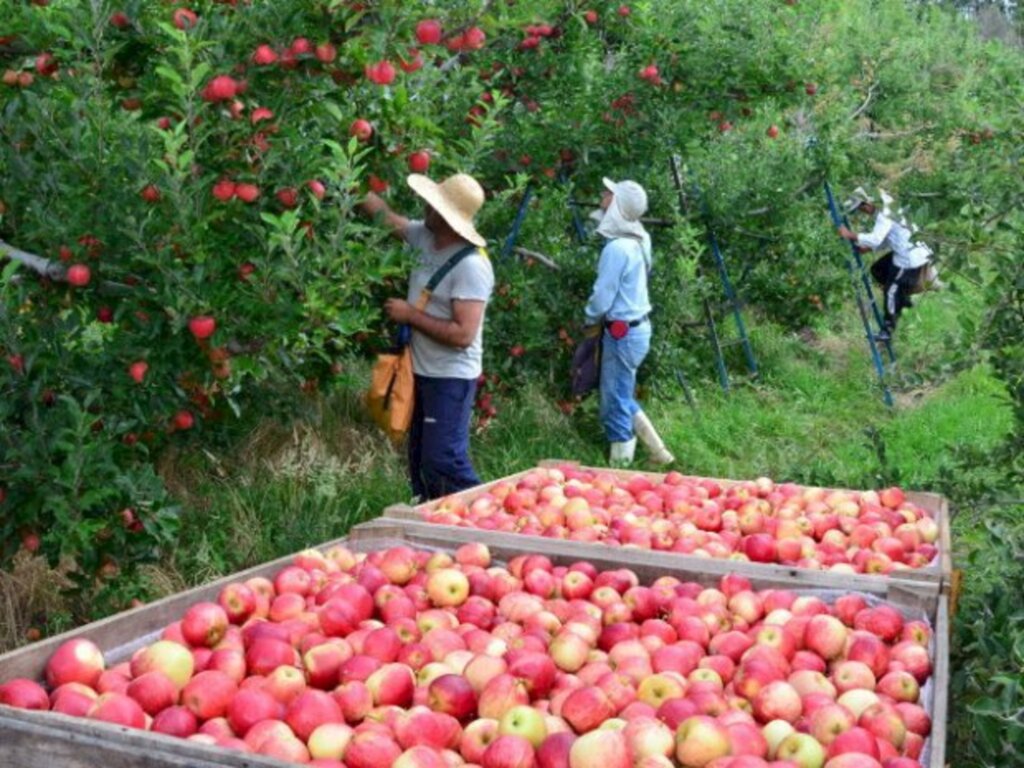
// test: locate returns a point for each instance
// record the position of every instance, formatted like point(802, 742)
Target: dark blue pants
point(439, 438)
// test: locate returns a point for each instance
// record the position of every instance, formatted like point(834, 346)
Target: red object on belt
point(618, 329)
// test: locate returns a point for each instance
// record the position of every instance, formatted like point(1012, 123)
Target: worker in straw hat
point(619, 304)
point(447, 335)
point(904, 268)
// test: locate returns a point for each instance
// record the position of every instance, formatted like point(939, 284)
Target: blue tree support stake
point(513, 235)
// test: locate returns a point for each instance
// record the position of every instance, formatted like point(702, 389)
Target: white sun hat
point(858, 198)
point(456, 199)
point(622, 219)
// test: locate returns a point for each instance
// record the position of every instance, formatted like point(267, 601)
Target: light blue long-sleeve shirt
point(620, 291)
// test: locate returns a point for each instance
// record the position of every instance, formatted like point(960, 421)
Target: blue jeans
point(620, 360)
point(439, 437)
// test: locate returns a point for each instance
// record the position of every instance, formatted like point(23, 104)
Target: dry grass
point(30, 593)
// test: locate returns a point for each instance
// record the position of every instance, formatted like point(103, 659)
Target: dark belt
point(631, 323)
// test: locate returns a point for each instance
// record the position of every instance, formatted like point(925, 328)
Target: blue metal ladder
point(732, 304)
point(865, 296)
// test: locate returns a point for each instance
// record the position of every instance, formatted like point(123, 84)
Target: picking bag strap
point(442, 273)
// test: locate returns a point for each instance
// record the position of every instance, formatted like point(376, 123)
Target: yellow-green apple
point(586, 708)
point(658, 688)
point(371, 749)
point(828, 721)
point(774, 733)
point(649, 736)
point(858, 700)
point(75, 661)
point(329, 741)
point(605, 747)
point(154, 691)
point(391, 684)
point(119, 709)
point(250, 706)
point(175, 721)
point(509, 751)
point(525, 721)
point(23, 693)
point(554, 752)
point(208, 694)
point(699, 740)
point(801, 749)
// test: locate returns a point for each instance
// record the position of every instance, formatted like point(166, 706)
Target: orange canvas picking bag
point(390, 398)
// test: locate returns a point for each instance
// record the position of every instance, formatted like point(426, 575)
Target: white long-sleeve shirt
point(890, 233)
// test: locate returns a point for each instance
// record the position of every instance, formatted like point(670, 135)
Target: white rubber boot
point(622, 453)
point(659, 454)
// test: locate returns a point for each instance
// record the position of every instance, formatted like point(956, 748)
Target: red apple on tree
point(419, 161)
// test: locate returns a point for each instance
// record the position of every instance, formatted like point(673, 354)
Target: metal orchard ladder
point(732, 304)
point(865, 295)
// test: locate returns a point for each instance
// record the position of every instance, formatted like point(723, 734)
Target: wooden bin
point(31, 739)
point(933, 578)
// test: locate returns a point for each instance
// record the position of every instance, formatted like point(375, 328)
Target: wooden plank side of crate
point(31, 739)
point(940, 681)
point(703, 570)
point(122, 628)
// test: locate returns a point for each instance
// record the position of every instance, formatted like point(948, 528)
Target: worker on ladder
point(619, 303)
point(905, 268)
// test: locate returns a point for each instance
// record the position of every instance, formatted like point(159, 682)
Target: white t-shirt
point(889, 232)
point(472, 279)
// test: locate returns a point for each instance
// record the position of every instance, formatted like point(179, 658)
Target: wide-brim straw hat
point(857, 199)
point(456, 200)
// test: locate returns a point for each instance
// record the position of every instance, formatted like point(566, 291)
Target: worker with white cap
point(447, 335)
point(901, 269)
point(619, 303)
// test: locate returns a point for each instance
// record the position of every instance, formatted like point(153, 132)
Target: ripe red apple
point(220, 88)
point(371, 749)
point(202, 326)
point(119, 709)
point(773, 131)
point(428, 32)
point(311, 709)
point(208, 694)
point(204, 624)
point(361, 129)
point(78, 275)
point(247, 193)
point(452, 695)
point(381, 73)
point(509, 752)
point(137, 371)
point(184, 18)
point(419, 161)
point(24, 694)
point(154, 691)
point(175, 721)
point(150, 193)
point(76, 661)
